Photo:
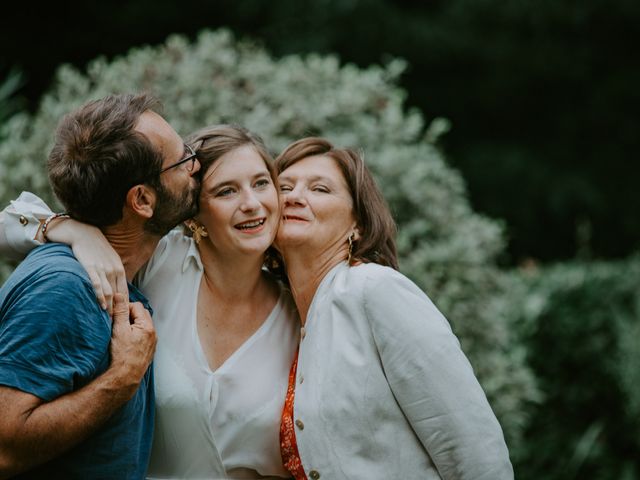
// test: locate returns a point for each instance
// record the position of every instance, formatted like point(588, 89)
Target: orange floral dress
point(288, 446)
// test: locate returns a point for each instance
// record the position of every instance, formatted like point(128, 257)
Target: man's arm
point(33, 431)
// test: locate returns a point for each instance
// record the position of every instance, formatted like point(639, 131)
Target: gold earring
point(350, 240)
point(197, 230)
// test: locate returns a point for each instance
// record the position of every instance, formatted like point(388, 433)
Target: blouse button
point(303, 333)
point(299, 424)
point(23, 220)
point(314, 474)
point(301, 378)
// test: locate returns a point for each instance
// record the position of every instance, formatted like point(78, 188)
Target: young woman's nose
point(250, 201)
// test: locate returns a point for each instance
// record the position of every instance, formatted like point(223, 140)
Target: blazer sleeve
point(19, 223)
point(434, 382)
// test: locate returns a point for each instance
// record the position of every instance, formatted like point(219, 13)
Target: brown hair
point(377, 229)
point(98, 155)
point(210, 143)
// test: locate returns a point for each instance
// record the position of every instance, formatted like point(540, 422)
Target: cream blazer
point(383, 390)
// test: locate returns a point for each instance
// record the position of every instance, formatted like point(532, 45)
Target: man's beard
point(172, 210)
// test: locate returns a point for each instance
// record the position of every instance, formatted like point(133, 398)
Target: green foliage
point(445, 247)
point(10, 103)
point(543, 94)
point(581, 323)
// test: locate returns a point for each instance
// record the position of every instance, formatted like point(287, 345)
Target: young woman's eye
point(285, 188)
point(225, 192)
point(263, 182)
point(320, 188)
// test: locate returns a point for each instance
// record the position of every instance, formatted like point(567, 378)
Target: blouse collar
point(193, 255)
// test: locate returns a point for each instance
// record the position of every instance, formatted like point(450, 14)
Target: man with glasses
point(76, 391)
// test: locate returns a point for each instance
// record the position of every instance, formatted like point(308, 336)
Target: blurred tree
point(447, 248)
point(542, 95)
point(10, 102)
point(581, 322)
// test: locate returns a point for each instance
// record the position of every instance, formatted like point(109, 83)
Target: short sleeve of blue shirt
point(54, 337)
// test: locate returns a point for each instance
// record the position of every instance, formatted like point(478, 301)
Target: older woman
point(227, 330)
point(380, 387)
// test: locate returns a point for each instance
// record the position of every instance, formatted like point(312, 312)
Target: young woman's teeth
point(248, 225)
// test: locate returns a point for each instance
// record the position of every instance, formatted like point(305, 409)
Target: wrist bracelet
point(46, 223)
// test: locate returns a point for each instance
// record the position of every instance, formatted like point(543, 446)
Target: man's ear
point(141, 200)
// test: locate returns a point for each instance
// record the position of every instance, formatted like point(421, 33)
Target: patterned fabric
point(288, 446)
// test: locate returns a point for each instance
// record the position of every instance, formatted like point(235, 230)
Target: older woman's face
point(317, 207)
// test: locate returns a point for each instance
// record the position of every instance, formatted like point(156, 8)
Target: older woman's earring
point(350, 239)
point(197, 230)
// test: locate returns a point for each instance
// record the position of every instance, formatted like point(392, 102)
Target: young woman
point(227, 330)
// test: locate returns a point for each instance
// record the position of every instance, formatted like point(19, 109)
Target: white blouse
point(213, 424)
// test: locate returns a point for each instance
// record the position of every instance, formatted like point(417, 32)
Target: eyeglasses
point(191, 156)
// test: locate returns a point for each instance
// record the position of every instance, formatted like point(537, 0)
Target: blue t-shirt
point(54, 339)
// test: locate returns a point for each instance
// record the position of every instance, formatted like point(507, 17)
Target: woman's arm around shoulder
point(21, 231)
point(433, 381)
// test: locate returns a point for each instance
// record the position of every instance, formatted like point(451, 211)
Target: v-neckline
point(231, 359)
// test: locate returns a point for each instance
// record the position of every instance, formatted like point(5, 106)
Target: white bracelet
point(45, 225)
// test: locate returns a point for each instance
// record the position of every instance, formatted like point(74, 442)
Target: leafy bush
point(10, 102)
point(581, 323)
point(445, 247)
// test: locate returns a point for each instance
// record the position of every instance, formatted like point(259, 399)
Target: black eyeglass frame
point(192, 156)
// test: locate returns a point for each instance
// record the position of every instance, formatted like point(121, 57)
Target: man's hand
point(133, 342)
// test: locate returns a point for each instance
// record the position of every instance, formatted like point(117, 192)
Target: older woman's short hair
point(376, 225)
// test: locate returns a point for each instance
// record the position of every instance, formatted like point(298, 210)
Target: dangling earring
point(350, 240)
point(197, 230)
